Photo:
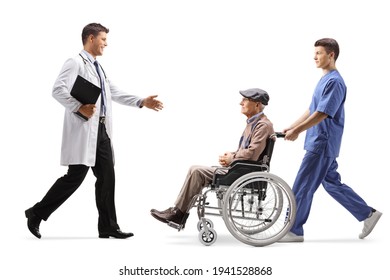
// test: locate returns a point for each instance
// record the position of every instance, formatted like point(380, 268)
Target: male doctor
point(86, 141)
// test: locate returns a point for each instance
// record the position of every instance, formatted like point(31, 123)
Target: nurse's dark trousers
point(316, 169)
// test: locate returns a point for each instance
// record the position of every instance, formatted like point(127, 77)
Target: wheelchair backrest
point(266, 155)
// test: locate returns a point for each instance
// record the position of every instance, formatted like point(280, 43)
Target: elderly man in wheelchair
point(250, 199)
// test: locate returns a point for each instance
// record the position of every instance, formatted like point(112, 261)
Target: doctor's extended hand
point(88, 110)
point(152, 103)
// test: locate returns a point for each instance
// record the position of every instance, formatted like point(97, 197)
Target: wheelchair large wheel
point(268, 209)
point(259, 208)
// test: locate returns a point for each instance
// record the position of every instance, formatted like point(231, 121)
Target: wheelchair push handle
point(279, 134)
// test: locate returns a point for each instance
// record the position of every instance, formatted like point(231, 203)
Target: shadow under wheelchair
point(185, 239)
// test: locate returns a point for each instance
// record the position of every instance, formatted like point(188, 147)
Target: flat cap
point(256, 94)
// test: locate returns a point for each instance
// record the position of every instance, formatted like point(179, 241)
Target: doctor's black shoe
point(117, 233)
point(33, 222)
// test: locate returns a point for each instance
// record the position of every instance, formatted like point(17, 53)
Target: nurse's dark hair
point(92, 29)
point(330, 45)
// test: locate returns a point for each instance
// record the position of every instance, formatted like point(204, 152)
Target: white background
point(196, 55)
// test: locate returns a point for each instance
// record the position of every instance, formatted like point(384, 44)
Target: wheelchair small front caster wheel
point(208, 222)
point(207, 238)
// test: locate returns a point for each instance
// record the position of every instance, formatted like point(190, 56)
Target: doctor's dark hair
point(92, 29)
point(330, 45)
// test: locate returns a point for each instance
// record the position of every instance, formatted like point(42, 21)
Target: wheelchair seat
point(239, 168)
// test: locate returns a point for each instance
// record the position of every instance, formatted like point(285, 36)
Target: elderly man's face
point(249, 107)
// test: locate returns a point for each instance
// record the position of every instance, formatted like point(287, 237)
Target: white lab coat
point(79, 138)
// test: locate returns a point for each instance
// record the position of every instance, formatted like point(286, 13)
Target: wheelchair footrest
point(176, 226)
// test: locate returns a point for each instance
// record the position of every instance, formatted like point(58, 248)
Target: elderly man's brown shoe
point(173, 215)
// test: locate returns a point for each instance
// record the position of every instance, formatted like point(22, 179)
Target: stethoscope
point(87, 60)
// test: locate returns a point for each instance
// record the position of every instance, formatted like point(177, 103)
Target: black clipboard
point(85, 92)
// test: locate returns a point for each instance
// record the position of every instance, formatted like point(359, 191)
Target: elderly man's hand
point(152, 103)
point(226, 159)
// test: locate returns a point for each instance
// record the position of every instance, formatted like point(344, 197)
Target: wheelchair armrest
point(218, 168)
point(235, 170)
point(244, 162)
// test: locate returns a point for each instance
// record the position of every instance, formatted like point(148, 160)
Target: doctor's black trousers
point(65, 186)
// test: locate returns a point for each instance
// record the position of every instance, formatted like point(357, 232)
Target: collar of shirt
point(253, 118)
point(89, 56)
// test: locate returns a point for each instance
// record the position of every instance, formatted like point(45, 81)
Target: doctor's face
point(98, 44)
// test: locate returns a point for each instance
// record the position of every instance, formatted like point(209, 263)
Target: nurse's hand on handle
point(290, 134)
point(88, 110)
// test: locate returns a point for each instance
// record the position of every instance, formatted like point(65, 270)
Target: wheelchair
point(258, 207)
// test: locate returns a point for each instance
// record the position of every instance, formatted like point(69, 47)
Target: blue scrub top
point(329, 97)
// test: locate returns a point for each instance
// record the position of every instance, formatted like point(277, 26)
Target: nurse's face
point(322, 59)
